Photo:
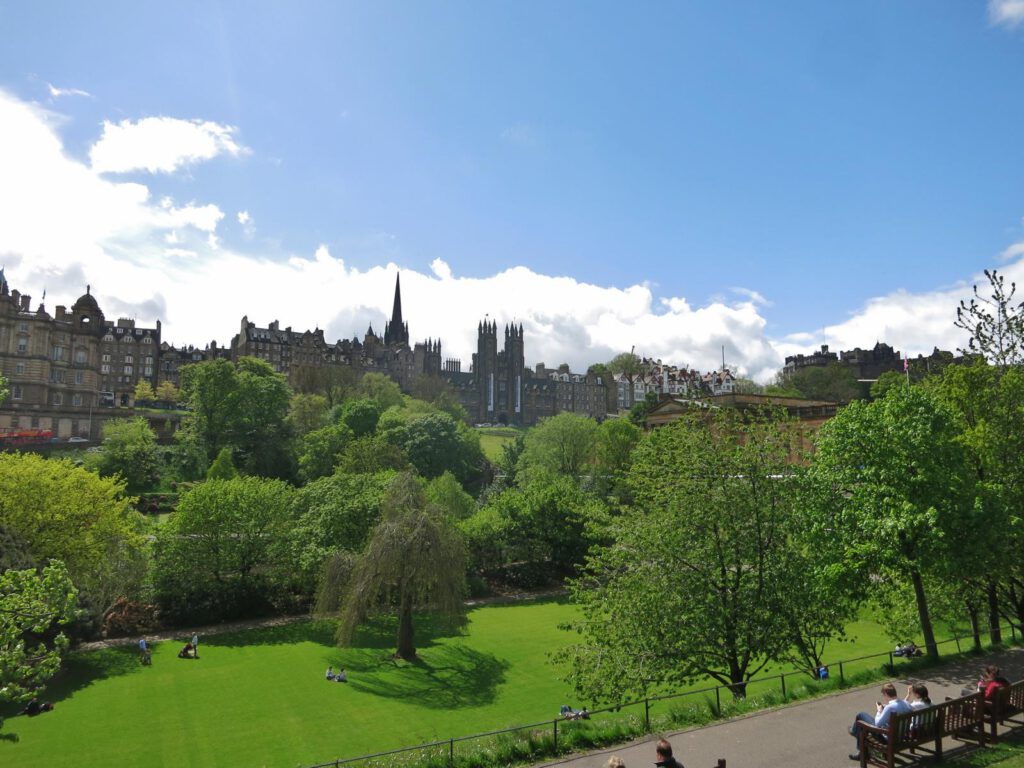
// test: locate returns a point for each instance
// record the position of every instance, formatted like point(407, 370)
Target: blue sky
point(674, 176)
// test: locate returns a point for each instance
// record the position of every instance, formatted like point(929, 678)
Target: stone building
point(128, 355)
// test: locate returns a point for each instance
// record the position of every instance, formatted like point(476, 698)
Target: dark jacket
point(669, 762)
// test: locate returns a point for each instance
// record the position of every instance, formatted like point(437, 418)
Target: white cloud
point(56, 92)
point(1012, 252)
point(160, 144)
point(1007, 12)
point(243, 217)
point(65, 225)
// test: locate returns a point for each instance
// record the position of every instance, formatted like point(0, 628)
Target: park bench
point(1007, 705)
point(909, 732)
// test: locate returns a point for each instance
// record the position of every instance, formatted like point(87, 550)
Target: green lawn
point(492, 439)
point(260, 698)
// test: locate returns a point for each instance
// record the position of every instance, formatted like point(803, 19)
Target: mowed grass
point(493, 439)
point(260, 698)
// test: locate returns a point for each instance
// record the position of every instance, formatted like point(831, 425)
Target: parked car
point(77, 439)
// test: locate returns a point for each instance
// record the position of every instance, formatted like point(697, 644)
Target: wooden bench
point(1006, 706)
point(909, 732)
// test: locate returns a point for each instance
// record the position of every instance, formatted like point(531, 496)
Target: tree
point(166, 392)
point(321, 450)
point(694, 575)
point(222, 468)
point(335, 382)
point(379, 387)
point(244, 406)
point(4, 391)
point(895, 489)
point(614, 443)
point(629, 366)
point(64, 512)
point(563, 443)
point(885, 382)
point(129, 450)
point(332, 514)
point(995, 323)
point(835, 382)
point(446, 493)
point(224, 553)
point(414, 559)
point(144, 391)
point(32, 605)
point(436, 443)
point(360, 415)
point(638, 413)
point(306, 413)
point(369, 455)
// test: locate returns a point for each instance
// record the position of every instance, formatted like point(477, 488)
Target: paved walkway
point(806, 735)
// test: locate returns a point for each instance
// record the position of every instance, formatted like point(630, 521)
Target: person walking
point(195, 645)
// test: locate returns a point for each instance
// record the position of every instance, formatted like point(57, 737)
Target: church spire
point(396, 331)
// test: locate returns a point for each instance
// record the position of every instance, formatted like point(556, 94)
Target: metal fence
point(548, 732)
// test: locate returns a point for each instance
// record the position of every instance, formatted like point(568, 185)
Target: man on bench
point(884, 709)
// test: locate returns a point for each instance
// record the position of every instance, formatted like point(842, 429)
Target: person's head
point(889, 691)
point(920, 691)
point(615, 762)
point(663, 749)
point(991, 672)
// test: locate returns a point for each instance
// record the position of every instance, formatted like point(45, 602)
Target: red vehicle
point(10, 438)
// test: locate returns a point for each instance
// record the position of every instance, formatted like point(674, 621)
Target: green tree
point(436, 443)
point(638, 413)
point(64, 512)
point(615, 441)
point(414, 559)
point(4, 391)
point(320, 451)
point(129, 450)
point(331, 514)
point(360, 415)
point(32, 605)
point(306, 413)
point(377, 386)
point(335, 382)
point(225, 551)
point(166, 392)
point(222, 468)
point(446, 493)
point(563, 443)
point(885, 382)
point(372, 454)
point(693, 577)
point(244, 406)
point(144, 391)
point(899, 492)
point(835, 382)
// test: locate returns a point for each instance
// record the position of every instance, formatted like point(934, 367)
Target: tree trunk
point(995, 634)
point(922, 612)
point(406, 648)
point(973, 612)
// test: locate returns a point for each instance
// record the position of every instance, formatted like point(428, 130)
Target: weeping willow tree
point(414, 560)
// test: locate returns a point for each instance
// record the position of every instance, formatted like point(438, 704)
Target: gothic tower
point(515, 362)
point(485, 371)
point(395, 331)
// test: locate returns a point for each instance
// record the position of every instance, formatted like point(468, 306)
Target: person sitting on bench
point(883, 711)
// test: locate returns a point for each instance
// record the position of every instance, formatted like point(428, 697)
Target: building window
point(58, 353)
point(76, 399)
point(127, 370)
point(104, 368)
point(129, 359)
point(79, 377)
point(19, 367)
point(22, 346)
point(149, 360)
point(80, 356)
point(16, 391)
point(148, 370)
point(23, 327)
point(106, 358)
point(147, 340)
point(58, 398)
point(57, 375)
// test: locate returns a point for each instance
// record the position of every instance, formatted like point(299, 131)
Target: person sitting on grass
point(188, 652)
point(341, 677)
point(330, 673)
point(569, 713)
point(35, 706)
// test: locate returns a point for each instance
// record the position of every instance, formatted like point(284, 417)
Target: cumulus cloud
point(67, 224)
point(1009, 13)
point(160, 144)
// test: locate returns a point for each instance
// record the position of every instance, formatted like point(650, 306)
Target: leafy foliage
point(695, 575)
point(129, 450)
point(834, 382)
point(379, 387)
point(414, 558)
point(321, 450)
point(360, 415)
point(995, 323)
point(222, 468)
point(32, 604)
point(224, 554)
point(63, 512)
point(563, 444)
point(306, 413)
point(144, 391)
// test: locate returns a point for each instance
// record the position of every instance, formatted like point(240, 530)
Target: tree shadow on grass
point(442, 677)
